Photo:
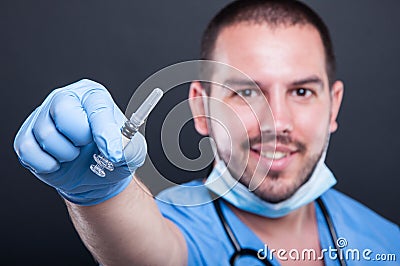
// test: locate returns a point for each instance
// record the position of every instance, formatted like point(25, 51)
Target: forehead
point(266, 54)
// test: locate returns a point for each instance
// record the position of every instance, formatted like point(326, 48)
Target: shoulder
point(193, 193)
point(187, 205)
point(190, 208)
point(341, 204)
point(359, 224)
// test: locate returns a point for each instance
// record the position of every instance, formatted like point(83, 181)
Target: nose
point(281, 113)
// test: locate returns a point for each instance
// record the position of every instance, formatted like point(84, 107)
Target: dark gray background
point(47, 44)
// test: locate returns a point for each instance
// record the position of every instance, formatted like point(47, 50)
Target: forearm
point(129, 230)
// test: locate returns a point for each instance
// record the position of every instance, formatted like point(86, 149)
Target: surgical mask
point(221, 182)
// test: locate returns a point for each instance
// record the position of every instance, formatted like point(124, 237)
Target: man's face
point(288, 64)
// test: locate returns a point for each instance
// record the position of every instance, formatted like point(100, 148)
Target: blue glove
point(58, 140)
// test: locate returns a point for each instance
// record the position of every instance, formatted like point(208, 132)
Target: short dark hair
point(274, 13)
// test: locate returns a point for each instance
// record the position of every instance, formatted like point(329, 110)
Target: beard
point(273, 188)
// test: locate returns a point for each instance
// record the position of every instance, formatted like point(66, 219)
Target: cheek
point(312, 127)
point(232, 126)
point(221, 134)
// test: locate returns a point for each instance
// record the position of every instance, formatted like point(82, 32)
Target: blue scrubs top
point(370, 239)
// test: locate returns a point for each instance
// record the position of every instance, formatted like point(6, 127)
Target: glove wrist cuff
point(96, 196)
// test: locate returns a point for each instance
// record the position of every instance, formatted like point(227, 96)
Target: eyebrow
point(247, 82)
point(309, 80)
point(240, 82)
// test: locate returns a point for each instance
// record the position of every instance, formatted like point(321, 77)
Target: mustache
point(277, 138)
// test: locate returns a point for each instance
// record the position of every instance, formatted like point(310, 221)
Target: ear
point(196, 103)
point(336, 97)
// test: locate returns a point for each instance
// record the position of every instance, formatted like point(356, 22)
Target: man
point(285, 48)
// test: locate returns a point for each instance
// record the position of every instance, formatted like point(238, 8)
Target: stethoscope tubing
point(239, 251)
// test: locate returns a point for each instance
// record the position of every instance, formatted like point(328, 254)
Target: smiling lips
point(274, 155)
point(278, 158)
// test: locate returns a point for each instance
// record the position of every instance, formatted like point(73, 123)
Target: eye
point(246, 93)
point(302, 92)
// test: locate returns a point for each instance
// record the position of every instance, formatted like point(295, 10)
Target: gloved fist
point(58, 140)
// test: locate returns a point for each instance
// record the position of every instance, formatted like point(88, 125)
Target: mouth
point(277, 158)
point(277, 155)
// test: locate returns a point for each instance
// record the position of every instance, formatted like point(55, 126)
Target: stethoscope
point(245, 252)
